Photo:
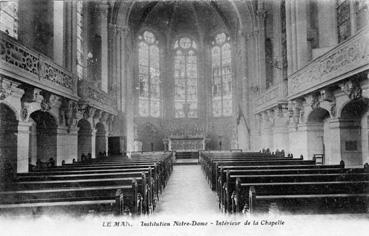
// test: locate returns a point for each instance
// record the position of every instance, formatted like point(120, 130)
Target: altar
point(186, 137)
point(186, 144)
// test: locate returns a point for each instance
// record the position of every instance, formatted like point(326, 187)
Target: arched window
point(148, 75)
point(362, 13)
point(185, 76)
point(9, 18)
point(343, 20)
point(221, 59)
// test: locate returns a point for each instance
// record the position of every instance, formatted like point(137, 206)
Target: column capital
point(103, 9)
point(119, 29)
point(242, 32)
point(253, 33)
point(261, 13)
point(104, 5)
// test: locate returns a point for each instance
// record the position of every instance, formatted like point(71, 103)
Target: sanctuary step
point(186, 162)
point(187, 155)
point(186, 158)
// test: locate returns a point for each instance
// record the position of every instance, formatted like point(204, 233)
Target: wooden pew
point(240, 181)
point(210, 161)
point(217, 164)
point(162, 167)
point(224, 178)
point(91, 184)
point(224, 171)
point(147, 192)
point(160, 183)
point(114, 198)
point(350, 196)
point(316, 184)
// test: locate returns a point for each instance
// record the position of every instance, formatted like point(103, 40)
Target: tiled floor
point(187, 193)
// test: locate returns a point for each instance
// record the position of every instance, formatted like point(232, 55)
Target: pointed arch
point(222, 75)
point(185, 78)
point(149, 103)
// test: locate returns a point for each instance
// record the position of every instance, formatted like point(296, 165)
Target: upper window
point(362, 13)
point(185, 76)
point(9, 18)
point(343, 19)
point(148, 75)
point(221, 58)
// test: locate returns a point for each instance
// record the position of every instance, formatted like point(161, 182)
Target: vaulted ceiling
point(176, 17)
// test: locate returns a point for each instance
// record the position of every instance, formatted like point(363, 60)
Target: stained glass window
point(362, 13)
point(221, 58)
point(343, 19)
point(80, 41)
point(9, 18)
point(185, 76)
point(148, 75)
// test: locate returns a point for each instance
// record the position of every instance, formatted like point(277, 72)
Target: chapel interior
point(180, 81)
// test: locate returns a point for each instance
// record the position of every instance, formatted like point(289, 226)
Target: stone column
point(277, 43)
point(344, 131)
point(296, 138)
point(296, 23)
point(353, 17)
point(106, 142)
point(104, 45)
point(290, 31)
point(117, 85)
point(327, 23)
point(266, 131)
point(130, 104)
point(58, 36)
point(62, 144)
point(280, 130)
point(118, 59)
point(124, 32)
point(117, 35)
point(70, 46)
point(242, 69)
point(23, 146)
point(255, 137)
point(259, 37)
point(303, 54)
point(364, 138)
point(242, 88)
point(113, 64)
point(315, 136)
point(68, 138)
point(93, 143)
point(335, 138)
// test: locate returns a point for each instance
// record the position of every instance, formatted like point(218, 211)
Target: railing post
point(119, 202)
point(237, 192)
point(135, 196)
point(252, 199)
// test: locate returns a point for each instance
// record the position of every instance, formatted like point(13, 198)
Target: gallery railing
point(344, 60)
point(271, 97)
point(29, 66)
point(95, 97)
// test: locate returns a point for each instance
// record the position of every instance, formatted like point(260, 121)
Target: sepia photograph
point(184, 117)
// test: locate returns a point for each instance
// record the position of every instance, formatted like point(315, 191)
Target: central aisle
point(187, 193)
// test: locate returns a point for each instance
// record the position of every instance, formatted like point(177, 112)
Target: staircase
point(186, 158)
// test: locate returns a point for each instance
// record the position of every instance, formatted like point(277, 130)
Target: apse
point(198, 18)
point(183, 74)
